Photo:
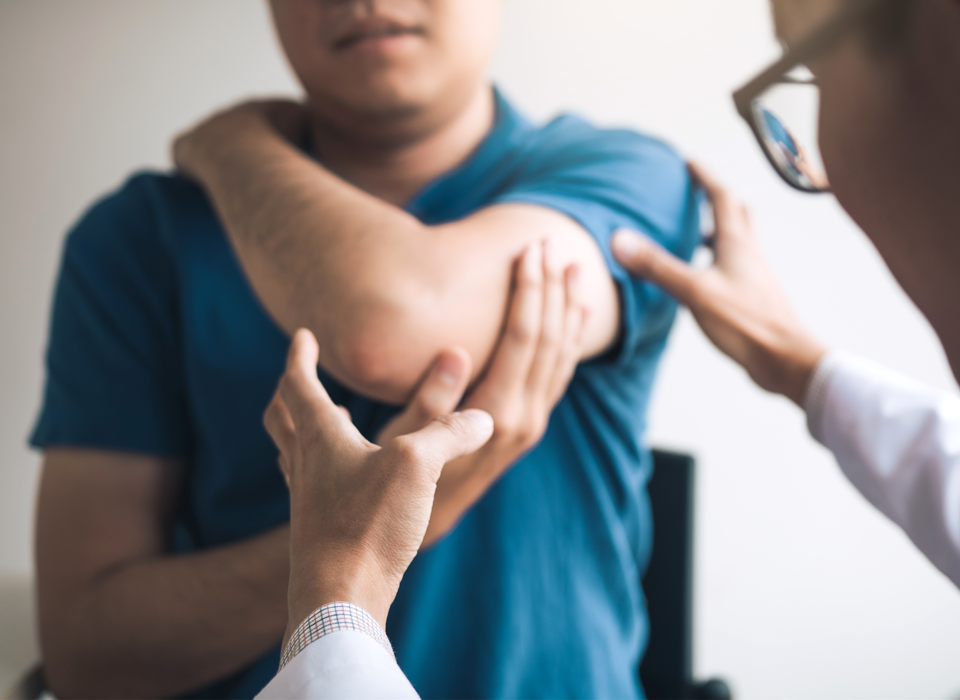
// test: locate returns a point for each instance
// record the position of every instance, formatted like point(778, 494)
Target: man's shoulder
point(146, 194)
point(607, 178)
point(570, 140)
point(143, 211)
point(622, 169)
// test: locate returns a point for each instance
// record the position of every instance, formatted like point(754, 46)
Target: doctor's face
point(372, 60)
point(889, 106)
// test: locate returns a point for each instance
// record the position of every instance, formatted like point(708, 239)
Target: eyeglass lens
point(785, 116)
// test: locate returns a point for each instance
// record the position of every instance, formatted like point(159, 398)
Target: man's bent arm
point(383, 293)
point(119, 616)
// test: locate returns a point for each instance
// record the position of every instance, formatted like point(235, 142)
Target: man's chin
point(384, 107)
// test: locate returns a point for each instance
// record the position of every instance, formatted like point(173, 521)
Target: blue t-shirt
point(159, 346)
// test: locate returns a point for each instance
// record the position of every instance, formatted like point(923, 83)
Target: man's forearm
point(163, 626)
point(319, 252)
point(382, 292)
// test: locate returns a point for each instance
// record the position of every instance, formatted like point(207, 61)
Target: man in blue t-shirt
point(391, 231)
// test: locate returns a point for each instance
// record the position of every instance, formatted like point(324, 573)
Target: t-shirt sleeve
point(114, 377)
point(606, 180)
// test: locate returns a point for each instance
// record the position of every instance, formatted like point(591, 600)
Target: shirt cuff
point(815, 398)
point(330, 618)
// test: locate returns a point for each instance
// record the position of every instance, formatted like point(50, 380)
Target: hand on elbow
point(527, 376)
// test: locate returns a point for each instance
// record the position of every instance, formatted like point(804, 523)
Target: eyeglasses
point(782, 104)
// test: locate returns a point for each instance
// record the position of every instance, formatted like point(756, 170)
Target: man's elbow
point(75, 666)
point(66, 670)
point(380, 358)
point(75, 662)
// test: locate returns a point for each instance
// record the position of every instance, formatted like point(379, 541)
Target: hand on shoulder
point(737, 301)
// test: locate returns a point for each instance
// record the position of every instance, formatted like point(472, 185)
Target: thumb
point(449, 437)
point(438, 394)
point(305, 397)
point(443, 387)
point(642, 257)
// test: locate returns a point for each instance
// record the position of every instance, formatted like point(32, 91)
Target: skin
point(529, 374)
point(105, 574)
point(121, 616)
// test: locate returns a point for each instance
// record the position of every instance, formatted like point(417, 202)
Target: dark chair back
point(667, 668)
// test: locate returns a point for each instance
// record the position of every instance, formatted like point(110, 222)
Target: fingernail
point(449, 369)
point(627, 243)
point(573, 274)
point(482, 419)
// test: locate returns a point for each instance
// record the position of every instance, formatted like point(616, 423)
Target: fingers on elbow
point(521, 430)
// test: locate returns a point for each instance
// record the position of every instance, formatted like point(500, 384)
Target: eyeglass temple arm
point(818, 40)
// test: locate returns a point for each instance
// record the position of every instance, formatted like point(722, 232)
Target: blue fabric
point(159, 346)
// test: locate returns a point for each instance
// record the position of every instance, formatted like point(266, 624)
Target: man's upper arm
point(96, 510)
point(113, 396)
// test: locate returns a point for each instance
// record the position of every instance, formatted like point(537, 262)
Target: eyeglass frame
point(819, 40)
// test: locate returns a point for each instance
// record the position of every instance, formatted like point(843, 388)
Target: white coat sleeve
point(899, 443)
point(343, 664)
point(339, 651)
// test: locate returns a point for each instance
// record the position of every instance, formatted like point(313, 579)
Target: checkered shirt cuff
point(332, 618)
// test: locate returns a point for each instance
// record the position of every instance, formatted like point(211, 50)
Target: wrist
point(328, 580)
point(796, 359)
point(198, 152)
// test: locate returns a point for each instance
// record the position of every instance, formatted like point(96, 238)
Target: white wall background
point(802, 589)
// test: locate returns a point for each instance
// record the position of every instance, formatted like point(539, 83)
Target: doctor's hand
point(358, 512)
point(737, 301)
point(528, 374)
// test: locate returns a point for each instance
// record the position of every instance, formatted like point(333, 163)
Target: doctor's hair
point(883, 30)
point(887, 28)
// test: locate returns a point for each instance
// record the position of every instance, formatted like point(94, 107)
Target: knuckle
point(270, 416)
point(551, 335)
point(405, 450)
point(506, 424)
point(553, 275)
point(528, 281)
point(522, 334)
point(424, 411)
point(524, 434)
point(649, 262)
point(287, 384)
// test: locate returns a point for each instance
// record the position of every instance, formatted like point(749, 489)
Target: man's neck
point(397, 172)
